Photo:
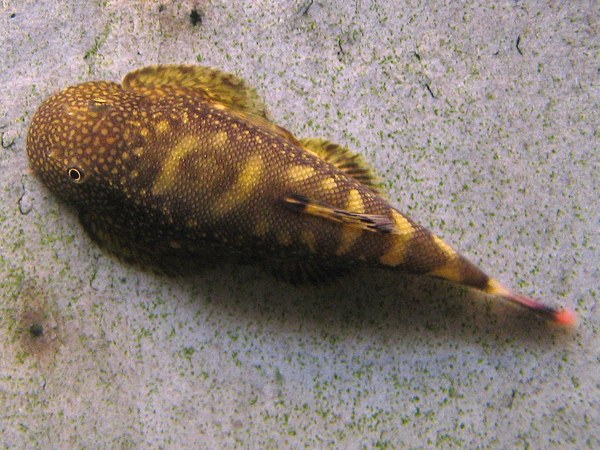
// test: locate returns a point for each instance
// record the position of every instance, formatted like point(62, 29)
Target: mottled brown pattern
point(182, 161)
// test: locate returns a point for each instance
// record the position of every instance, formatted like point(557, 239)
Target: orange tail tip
point(564, 316)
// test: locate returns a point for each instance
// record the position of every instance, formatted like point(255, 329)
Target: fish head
point(79, 139)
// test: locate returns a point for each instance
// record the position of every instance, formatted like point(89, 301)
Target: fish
point(182, 163)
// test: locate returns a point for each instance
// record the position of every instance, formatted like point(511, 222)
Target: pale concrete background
point(484, 122)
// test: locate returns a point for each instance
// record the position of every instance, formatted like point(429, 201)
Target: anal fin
point(368, 222)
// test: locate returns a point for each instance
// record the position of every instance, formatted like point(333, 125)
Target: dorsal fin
point(221, 87)
point(352, 164)
point(368, 222)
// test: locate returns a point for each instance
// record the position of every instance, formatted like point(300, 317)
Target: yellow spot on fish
point(299, 173)
point(355, 202)
point(449, 271)
point(248, 179)
point(351, 234)
point(169, 169)
point(328, 184)
point(219, 139)
point(396, 252)
point(448, 251)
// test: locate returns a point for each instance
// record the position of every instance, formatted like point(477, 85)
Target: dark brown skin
point(182, 161)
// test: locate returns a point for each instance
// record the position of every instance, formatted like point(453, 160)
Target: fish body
point(183, 163)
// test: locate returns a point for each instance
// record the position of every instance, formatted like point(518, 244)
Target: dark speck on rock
point(36, 330)
point(196, 17)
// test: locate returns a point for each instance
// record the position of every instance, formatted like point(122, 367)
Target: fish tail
point(415, 249)
point(562, 316)
point(462, 271)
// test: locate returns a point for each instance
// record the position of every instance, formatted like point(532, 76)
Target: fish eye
point(75, 174)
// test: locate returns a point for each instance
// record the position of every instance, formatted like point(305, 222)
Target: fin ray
point(352, 164)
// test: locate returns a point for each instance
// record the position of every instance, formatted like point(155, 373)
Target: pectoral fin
point(117, 238)
point(368, 222)
point(223, 89)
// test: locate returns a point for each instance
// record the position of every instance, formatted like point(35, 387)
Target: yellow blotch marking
point(448, 251)
point(355, 202)
point(495, 288)
point(169, 169)
point(448, 271)
point(396, 252)
point(299, 173)
point(350, 234)
point(219, 139)
point(328, 184)
point(248, 179)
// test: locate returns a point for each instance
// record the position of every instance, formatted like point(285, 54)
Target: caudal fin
point(561, 316)
point(419, 251)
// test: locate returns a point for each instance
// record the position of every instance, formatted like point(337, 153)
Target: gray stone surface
point(484, 122)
